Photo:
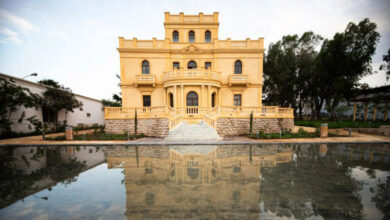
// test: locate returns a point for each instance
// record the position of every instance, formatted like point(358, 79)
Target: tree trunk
point(300, 108)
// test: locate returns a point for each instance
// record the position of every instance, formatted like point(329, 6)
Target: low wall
point(152, 127)
point(240, 126)
point(382, 130)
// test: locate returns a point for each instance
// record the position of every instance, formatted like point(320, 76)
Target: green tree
point(12, 98)
point(341, 63)
point(118, 97)
point(287, 67)
point(110, 103)
point(386, 66)
point(57, 98)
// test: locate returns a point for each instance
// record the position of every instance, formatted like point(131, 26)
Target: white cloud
point(7, 35)
point(16, 22)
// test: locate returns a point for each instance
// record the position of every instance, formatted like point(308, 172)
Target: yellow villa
point(193, 76)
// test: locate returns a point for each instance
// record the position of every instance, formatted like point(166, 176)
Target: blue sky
point(74, 42)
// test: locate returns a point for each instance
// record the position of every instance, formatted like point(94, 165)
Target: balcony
point(192, 75)
point(238, 79)
point(145, 80)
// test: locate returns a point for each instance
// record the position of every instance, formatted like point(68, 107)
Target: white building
point(92, 111)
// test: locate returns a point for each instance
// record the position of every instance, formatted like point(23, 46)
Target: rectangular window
point(88, 115)
point(237, 100)
point(176, 65)
point(207, 65)
point(146, 100)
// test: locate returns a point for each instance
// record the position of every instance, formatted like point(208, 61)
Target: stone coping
point(164, 143)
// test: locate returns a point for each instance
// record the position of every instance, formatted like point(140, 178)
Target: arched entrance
point(213, 99)
point(192, 103)
point(171, 100)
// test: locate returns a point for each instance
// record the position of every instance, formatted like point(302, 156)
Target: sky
point(74, 42)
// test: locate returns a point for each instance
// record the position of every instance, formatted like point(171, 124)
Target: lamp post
point(32, 74)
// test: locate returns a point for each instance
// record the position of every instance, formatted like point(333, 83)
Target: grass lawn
point(342, 124)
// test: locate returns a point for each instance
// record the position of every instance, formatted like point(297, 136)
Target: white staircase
point(198, 132)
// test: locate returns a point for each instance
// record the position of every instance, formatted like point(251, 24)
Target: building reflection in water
point(28, 170)
point(194, 181)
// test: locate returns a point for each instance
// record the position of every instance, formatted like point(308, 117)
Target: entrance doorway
point(192, 103)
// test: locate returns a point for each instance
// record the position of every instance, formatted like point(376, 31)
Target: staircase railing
point(210, 121)
point(175, 121)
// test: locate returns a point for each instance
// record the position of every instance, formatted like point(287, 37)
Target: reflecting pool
point(296, 181)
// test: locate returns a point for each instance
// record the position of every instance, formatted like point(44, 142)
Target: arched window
point(145, 67)
point(237, 67)
point(191, 36)
point(191, 65)
point(171, 100)
point(213, 100)
point(207, 36)
point(192, 99)
point(175, 36)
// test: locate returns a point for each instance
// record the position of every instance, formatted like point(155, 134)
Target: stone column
point(165, 96)
point(182, 95)
point(201, 99)
point(209, 97)
point(175, 98)
point(219, 97)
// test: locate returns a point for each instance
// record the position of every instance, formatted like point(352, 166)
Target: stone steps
point(193, 132)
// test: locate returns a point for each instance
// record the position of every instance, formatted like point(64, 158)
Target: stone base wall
point(152, 127)
point(240, 126)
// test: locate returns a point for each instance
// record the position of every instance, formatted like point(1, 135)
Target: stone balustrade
point(144, 79)
point(218, 111)
point(238, 79)
point(203, 74)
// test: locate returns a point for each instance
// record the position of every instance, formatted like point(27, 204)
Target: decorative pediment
point(191, 49)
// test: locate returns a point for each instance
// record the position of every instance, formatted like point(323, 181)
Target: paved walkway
point(356, 138)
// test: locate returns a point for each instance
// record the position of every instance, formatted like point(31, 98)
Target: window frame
point(178, 65)
point(175, 40)
point(238, 68)
point(145, 67)
point(205, 65)
point(144, 102)
point(171, 100)
point(234, 100)
point(207, 39)
point(188, 65)
point(191, 39)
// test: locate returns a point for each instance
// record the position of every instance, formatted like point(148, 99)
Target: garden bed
point(342, 124)
point(288, 135)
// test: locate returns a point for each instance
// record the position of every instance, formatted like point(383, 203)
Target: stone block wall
point(152, 127)
point(240, 126)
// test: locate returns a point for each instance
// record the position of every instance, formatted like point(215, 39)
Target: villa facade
point(190, 76)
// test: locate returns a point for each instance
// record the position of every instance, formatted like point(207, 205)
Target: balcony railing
point(144, 79)
point(211, 113)
point(192, 74)
point(238, 79)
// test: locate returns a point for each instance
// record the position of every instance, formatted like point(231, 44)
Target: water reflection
point(198, 182)
point(213, 183)
point(27, 170)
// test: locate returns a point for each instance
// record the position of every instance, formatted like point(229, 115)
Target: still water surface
point(343, 181)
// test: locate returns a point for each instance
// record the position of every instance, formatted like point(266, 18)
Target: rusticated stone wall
point(152, 127)
point(240, 126)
